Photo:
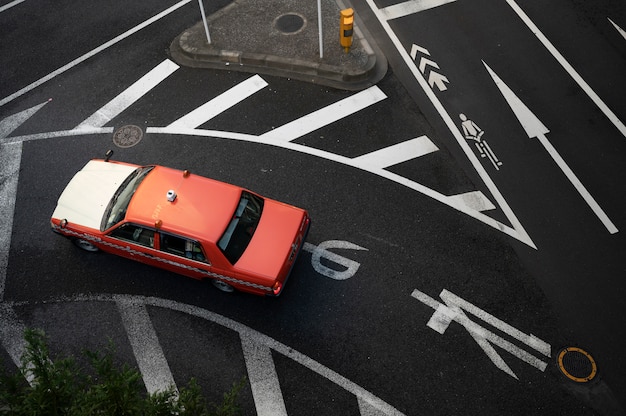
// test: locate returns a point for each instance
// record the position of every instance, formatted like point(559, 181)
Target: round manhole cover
point(290, 23)
point(577, 364)
point(127, 136)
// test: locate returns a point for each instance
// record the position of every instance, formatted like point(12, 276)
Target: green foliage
point(45, 387)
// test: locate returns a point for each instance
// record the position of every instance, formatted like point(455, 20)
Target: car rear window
point(241, 227)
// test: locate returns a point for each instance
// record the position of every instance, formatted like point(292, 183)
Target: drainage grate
point(290, 23)
point(577, 364)
point(127, 136)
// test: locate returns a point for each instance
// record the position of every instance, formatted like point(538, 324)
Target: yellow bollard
point(346, 28)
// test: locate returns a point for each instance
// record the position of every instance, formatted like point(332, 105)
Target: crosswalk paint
point(325, 116)
point(114, 107)
point(152, 363)
point(410, 7)
point(268, 397)
point(397, 153)
point(220, 103)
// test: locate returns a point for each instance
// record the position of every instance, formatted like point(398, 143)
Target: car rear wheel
point(223, 286)
point(85, 245)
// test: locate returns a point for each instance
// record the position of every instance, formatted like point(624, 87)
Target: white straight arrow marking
point(535, 128)
point(435, 78)
point(410, 7)
point(220, 103)
point(570, 70)
point(114, 107)
point(619, 29)
point(397, 153)
point(325, 116)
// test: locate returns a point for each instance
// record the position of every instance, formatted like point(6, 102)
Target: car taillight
point(277, 288)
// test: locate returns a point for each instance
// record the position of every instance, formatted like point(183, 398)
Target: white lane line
point(570, 70)
point(619, 29)
point(410, 7)
point(220, 103)
point(325, 116)
point(518, 230)
point(397, 153)
point(63, 133)
point(8, 6)
point(268, 398)
point(93, 52)
point(143, 339)
point(10, 160)
point(131, 94)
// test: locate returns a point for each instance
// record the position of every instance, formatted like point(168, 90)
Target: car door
point(133, 241)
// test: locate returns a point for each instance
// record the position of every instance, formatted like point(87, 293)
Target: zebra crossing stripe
point(325, 116)
point(153, 366)
point(397, 153)
point(120, 103)
point(220, 103)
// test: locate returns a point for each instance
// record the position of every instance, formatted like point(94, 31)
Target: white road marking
point(9, 5)
point(10, 160)
point(474, 199)
point(453, 311)
point(131, 94)
point(319, 252)
point(260, 342)
point(220, 103)
point(619, 29)
point(410, 7)
point(153, 366)
point(517, 230)
point(325, 116)
point(570, 70)
point(268, 398)
point(93, 52)
point(85, 131)
point(535, 128)
point(398, 153)
point(12, 122)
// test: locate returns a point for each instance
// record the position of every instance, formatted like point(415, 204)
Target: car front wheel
point(223, 286)
point(85, 245)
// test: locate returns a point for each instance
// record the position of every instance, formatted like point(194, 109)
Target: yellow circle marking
point(594, 368)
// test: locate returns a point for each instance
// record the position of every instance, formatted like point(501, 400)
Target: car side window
point(135, 234)
point(182, 247)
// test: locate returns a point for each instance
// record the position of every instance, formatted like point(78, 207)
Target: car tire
point(85, 245)
point(223, 286)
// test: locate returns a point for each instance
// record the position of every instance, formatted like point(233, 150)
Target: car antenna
point(108, 155)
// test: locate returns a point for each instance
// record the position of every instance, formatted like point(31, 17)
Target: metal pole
point(319, 24)
point(206, 27)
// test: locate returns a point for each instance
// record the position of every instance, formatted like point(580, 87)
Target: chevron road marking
point(220, 103)
point(115, 107)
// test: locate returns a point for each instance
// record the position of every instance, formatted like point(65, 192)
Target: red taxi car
point(185, 223)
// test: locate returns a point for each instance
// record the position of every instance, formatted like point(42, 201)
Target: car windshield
point(116, 210)
point(241, 227)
